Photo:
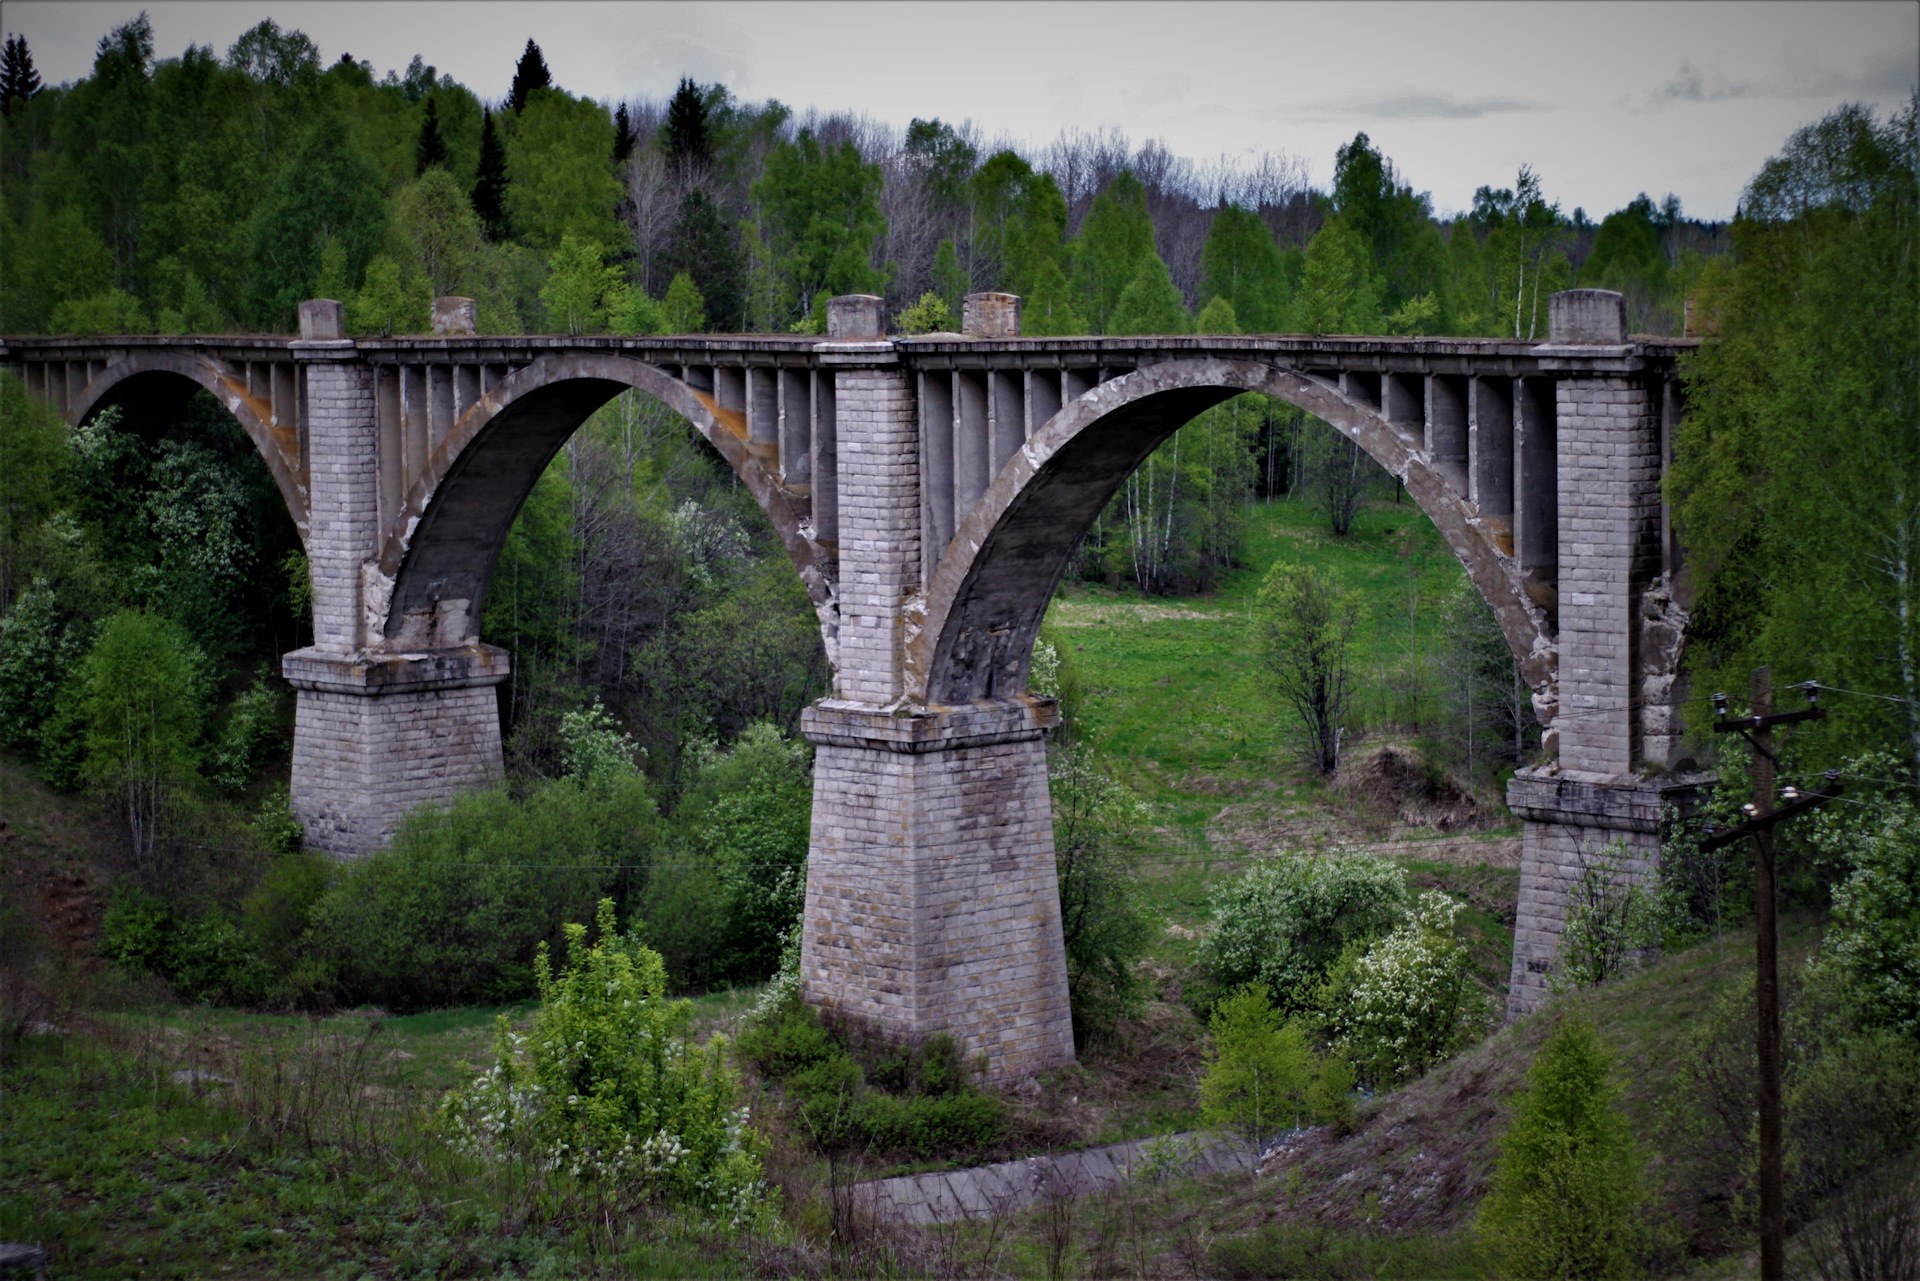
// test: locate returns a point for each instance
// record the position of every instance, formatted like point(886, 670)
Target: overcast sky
point(1604, 100)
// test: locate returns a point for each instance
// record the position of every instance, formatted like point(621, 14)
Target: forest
point(662, 651)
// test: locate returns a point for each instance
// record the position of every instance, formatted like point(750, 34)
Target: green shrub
point(1613, 922)
point(203, 956)
point(1262, 1077)
point(255, 727)
point(38, 649)
point(606, 1089)
point(1875, 938)
point(786, 1042)
point(133, 932)
point(1407, 1000)
point(929, 315)
point(455, 910)
point(274, 829)
point(915, 1100)
point(1567, 1188)
point(1302, 1251)
point(930, 1125)
point(749, 813)
point(1288, 920)
point(1099, 832)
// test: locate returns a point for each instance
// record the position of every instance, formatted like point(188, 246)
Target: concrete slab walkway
point(988, 1190)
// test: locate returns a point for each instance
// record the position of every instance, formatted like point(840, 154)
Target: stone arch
point(987, 597)
point(162, 381)
point(438, 554)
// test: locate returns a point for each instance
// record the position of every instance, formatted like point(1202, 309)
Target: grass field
point(1172, 695)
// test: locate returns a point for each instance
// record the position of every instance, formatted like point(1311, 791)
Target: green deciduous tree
point(1339, 293)
point(1115, 238)
point(559, 180)
point(1567, 1188)
point(1305, 625)
point(821, 210)
point(141, 695)
point(1099, 834)
point(1241, 264)
point(1262, 1076)
point(387, 303)
point(1797, 472)
point(578, 283)
point(684, 308)
point(327, 190)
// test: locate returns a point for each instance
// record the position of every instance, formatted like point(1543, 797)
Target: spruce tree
point(431, 149)
point(707, 250)
point(18, 79)
point(686, 139)
point(622, 135)
point(490, 185)
point(530, 74)
point(1568, 1186)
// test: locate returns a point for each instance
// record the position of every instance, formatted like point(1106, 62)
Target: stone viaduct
point(929, 491)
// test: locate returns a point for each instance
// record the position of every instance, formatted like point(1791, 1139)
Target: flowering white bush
point(1287, 921)
point(1407, 1000)
point(607, 1090)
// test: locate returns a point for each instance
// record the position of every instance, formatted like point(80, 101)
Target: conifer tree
point(531, 73)
point(490, 185)
point(1567, 1189)
point(1151, 303)
point(1047, 311)
point(18, 79)
point(431, 149)
point(1241, 263)
point(622, 135)
point(707, 251)
point(1115, 238)
point(949, 278)
point(686, 139)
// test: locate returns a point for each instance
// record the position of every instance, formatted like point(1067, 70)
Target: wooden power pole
point(1757, 729)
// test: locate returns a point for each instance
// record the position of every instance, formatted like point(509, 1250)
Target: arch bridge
point(929, 492)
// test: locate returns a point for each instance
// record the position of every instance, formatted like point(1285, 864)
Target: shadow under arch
point(159, 384)
point(441, 548)
point(991, 589)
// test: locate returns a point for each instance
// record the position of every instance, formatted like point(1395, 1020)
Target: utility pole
point(1757, 729)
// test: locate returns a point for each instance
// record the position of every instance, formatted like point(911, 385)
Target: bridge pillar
point(932, 904)
point(932, 899)
point(376, 733)
point(1608, 783)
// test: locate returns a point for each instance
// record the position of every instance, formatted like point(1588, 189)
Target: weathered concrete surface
point(988, 1191)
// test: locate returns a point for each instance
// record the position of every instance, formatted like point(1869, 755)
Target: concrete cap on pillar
point(991, 315)
point(455, 317)
point(1587, 318)
point(322, 320)
point(853, 317)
